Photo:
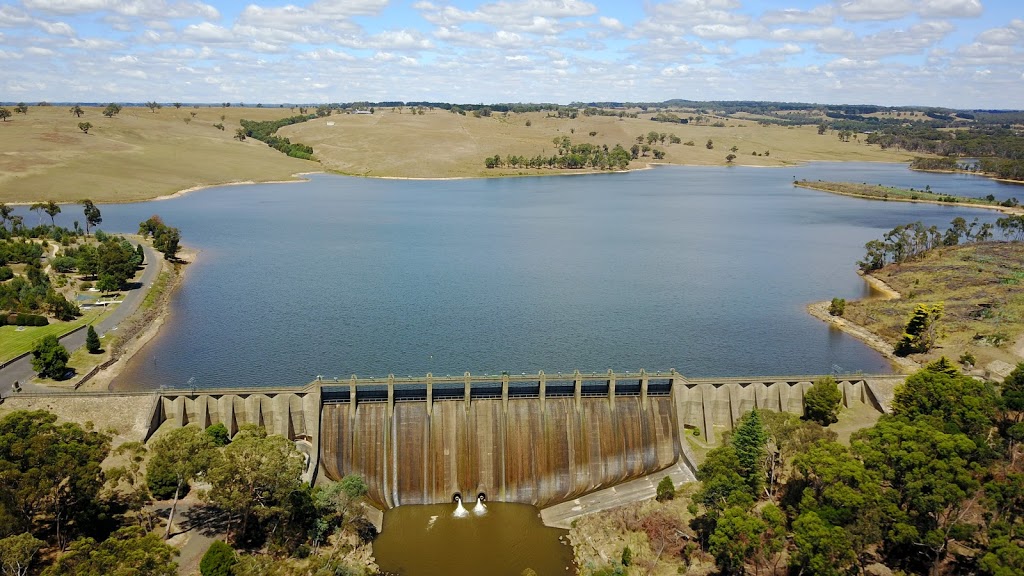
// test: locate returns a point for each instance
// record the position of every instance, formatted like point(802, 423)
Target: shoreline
point(980, 174)
point(103, 379)
point(1010, 210)
point(820, 311)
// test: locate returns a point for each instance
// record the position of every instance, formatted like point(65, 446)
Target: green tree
point(4, 114)
point(112, 110)
point(77, 111)
point(736, 539)
point(153, 106)
point(218, 434)
point(722, 485)
point(92, 215)
point(254, 476)
point(240, 134)
point(181, 454)
point(822, 401)
point(17, 554)
point(50, 358)
point(167, 241)
point(218, 560)
point(21, 108)
point(956, 402)
point(730, 157)
point(932, 475)
point(710, 145)
point(84, 127)
point(750, 441)
point(50, 475)
point(92, 341)
point(108, 283)
point(52, 209)
point(921, 331)
point(837, 307)
point(1011, 400)
point(127, 552)
point(666, 489)
point(820, 548)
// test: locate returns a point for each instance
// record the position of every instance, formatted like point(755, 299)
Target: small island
point(880, 192)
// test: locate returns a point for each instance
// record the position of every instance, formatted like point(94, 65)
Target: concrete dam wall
point(524, 438)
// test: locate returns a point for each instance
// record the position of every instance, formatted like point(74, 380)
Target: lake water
point(704, 269)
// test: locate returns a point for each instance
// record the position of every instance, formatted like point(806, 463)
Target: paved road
point(21, 371)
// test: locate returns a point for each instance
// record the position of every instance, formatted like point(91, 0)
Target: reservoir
point(707, 270)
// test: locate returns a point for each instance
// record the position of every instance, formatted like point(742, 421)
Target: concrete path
point(562, 515)
point(21, 370)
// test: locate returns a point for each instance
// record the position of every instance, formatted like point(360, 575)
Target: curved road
point(21, 370)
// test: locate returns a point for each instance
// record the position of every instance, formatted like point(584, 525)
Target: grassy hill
point(140, 154)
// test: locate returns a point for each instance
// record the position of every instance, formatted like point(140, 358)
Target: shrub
point(6, 273)
point(218, 560)
point(968, 359)
point(218, 434)
point(837, 307)
point(666, 490)
point(162, 483)
point(92, 341)
point(627, 556)
point(822, 401)
point(30, 320)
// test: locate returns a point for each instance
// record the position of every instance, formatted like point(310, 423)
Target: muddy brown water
point(500, 539)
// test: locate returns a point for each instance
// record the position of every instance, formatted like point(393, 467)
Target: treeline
point(266, 130)
point(935, 487)
point(65, 514)
point(911, 241)
point(570, 157)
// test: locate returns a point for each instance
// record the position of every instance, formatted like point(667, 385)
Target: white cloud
point(829, 34)
point(950, 8)
point(855, 10)
point(207, 32)
point(133, 8)
point(611, 23)
point(821, 15)
point(37, 51)
point(1003, 36)
point(725, 31)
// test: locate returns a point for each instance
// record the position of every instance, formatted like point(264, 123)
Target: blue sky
point(955, 53)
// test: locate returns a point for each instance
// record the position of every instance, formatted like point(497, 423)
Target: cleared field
point(442, 144)
point(980, 286)
point(136, 155)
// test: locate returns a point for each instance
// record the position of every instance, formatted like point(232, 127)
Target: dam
point(529, 438)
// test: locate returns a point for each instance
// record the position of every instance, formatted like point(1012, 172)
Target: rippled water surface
point(706, 270)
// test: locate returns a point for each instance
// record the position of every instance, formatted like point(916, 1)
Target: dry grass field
point(980, 285)
point(136, 155)
point(140, 154)
point(441, 144)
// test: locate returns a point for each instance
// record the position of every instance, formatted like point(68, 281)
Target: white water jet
point(460, 512)
point(430, 523)
point(480, 509)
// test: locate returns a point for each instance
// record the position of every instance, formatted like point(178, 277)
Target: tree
point(52, 209)
point(5, 213)
point(17, 554)
point(837, 307)
point(4, 114)
point(666, 489)
point(1011, 399)
point(50, 358)
point(240, 134)
point(750, 441)
point(218, 560)
point(710, 145)
point(92, 341)
point(182, 454)
point(822, 401)
point(51, 474)
point(77, 111)
point(112, 110)
point(735, 539)
point(921, 331)
point(84, 127)
point(822, 128)
point(218, 435)
point(92, 215)
point(21, 108)
point(730, 157)
point(127, 552)
point(821, 549)
point(177, 105)
point(153, 106)
point(254, 476)
point(956, 402)
point(167, 240)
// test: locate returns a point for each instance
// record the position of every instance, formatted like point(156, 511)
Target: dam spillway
point(532, 439)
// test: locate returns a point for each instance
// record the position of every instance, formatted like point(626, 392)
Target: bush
point(627, 556)
point(85, 286)
point(92, 341)
point(822, 401)
point(968, 359)
point(218, 434)
point(6, 273)
point(218, 560)
point(29, 320)
point(162, 483)
point(666, 489)
point(837, 307)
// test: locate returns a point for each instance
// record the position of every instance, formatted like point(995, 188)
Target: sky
point(950, 53)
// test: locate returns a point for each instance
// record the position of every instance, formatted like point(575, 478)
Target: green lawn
point(14, 342)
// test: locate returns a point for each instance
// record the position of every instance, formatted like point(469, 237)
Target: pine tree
point(750, 441)
point(92, 341)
